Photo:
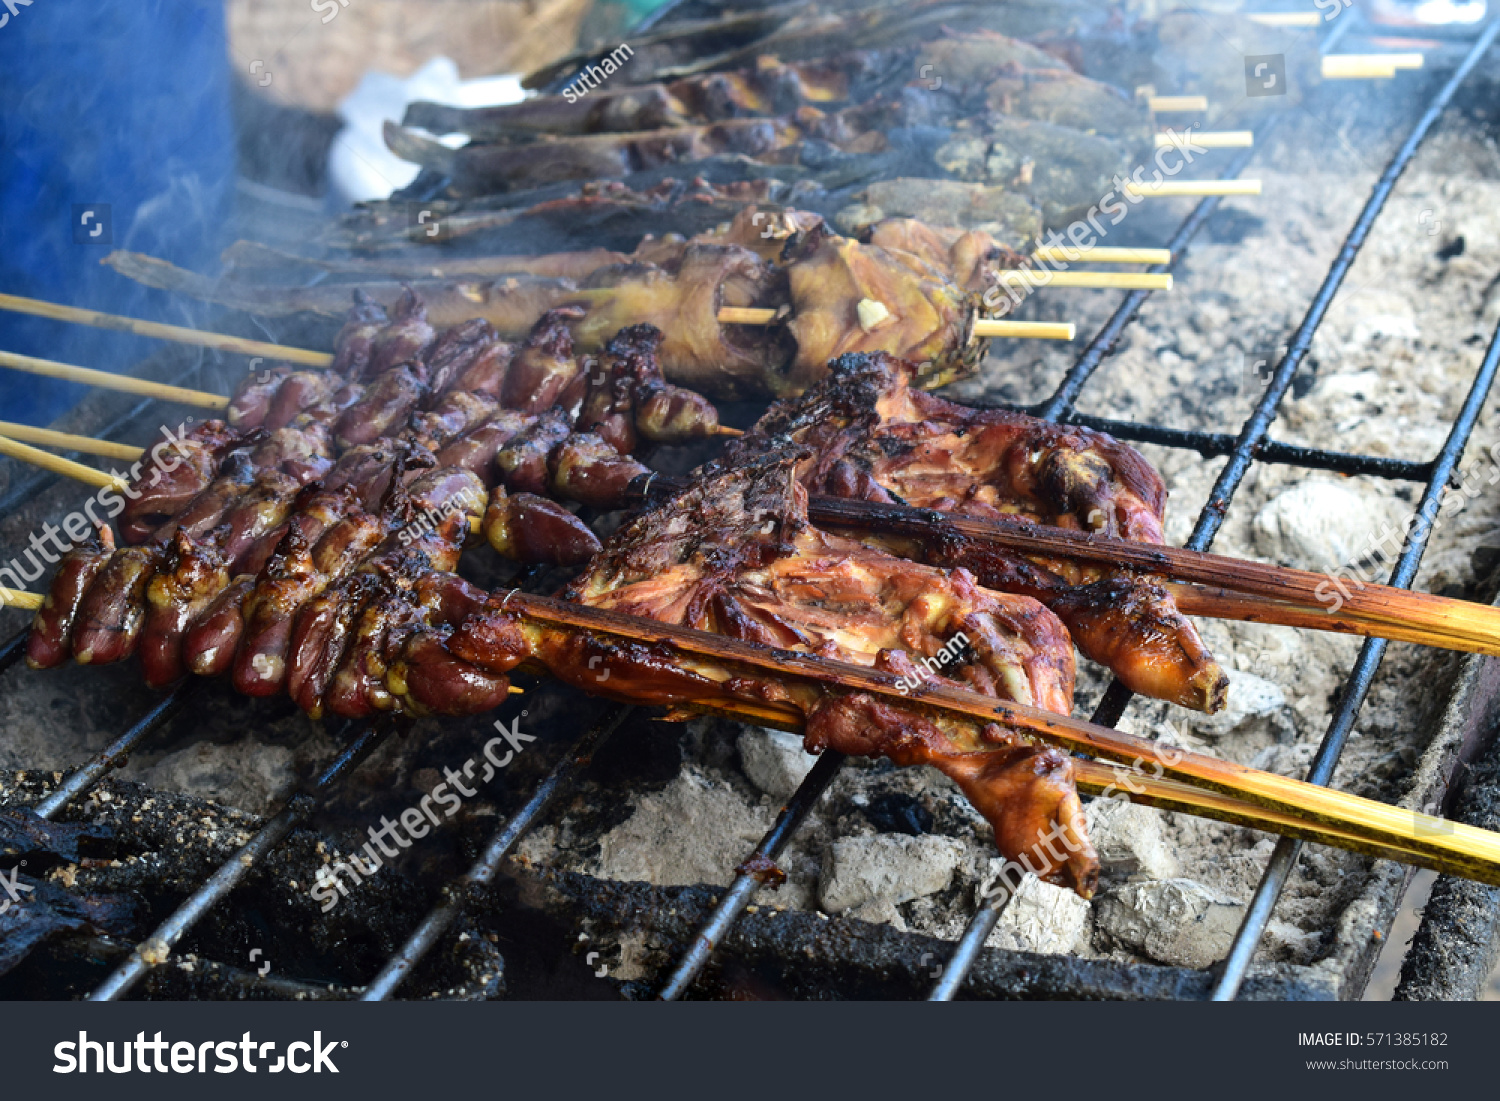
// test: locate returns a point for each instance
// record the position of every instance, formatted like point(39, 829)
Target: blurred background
point(173, 127)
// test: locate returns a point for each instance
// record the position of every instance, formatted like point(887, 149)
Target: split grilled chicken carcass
point(872, 436)
point(733, 554)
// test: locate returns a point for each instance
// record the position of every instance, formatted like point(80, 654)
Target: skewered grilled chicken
point(734, 554)
point(875, 437)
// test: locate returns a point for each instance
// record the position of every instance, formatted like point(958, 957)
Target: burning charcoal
point(45, 910)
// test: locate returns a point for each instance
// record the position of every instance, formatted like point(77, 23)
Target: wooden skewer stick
point(58, 465)
point(1104, 254)
point(30, 602)
point(1355, 66)
point(1164, 104)
point(1284, 595)
point(66, 441)
point(1210, 139)
point(1285, 18)
point(1192, 188)
point(107, 381)
point(1098, 778)
point(984, 327)
point(1468, 851)
point(1096, 280)
point(218, 341)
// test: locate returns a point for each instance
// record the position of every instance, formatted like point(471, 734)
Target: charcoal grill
point(822, 957)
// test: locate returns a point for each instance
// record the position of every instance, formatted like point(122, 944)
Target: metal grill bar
point(562, 777)
point(1212, 445)
point(11, 652)
point(205, 898)
point(1284, 858)
point(746, 883)
point(1245, 451)
point(114, 755)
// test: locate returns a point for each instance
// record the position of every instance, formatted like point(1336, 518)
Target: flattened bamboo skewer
point(1462, 849)
point(1356, 66)
point(58, 465)
point(106, 381)
point(29, 602)
point(218, 341)
point(1222, 585)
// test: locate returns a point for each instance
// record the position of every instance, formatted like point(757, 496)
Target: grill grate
point(1251, 445)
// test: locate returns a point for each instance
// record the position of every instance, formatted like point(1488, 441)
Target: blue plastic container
point(115, 132)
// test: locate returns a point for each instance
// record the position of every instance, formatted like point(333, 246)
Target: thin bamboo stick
point(1096, 778)
point(1296, 597)
point(1101, 779)
point(1347, 66)
point(1168, 104)
point(1104, 254)
point(984, 327)
point(1464, 849)
point(1096, 280)
point(1025, 330)
point(107, 381)
point(1192, 188)
point(1209, 139)
point(218, 341)
point(30, 602)
point(1285, 18)
point(66, 441)
point(58, 465)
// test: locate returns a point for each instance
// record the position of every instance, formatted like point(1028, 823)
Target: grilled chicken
point(875, 437)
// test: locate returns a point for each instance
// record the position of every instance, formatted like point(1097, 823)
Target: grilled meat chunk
point(872, 435)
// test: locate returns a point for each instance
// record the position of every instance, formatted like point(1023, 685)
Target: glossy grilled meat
point(733, 554)
point(872, 436)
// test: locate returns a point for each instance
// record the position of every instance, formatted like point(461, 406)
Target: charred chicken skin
point(734, 554)
point(873, 436)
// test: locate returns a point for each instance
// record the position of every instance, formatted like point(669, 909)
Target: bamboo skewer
point(107, 381)
point(983, 327)
point(58, 465)
point(1220, 585)
point(29, 602)
point(1104, 254)
point(1100, 779)
point(1171, 104)
point(1192, 188)
point(1357, 66)
point(217, 341)
point(1097, 280)
point(1208, 139)
point(66, 441)
point(1460, 849)
point(1285, 18)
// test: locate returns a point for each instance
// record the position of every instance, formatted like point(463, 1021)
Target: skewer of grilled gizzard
point(320, 472)
point(912, 662)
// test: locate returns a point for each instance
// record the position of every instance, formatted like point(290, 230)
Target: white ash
point(1041, 918)
point(1128, 838)
point(243, 774)
point(887, 868)
point(774, 760)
